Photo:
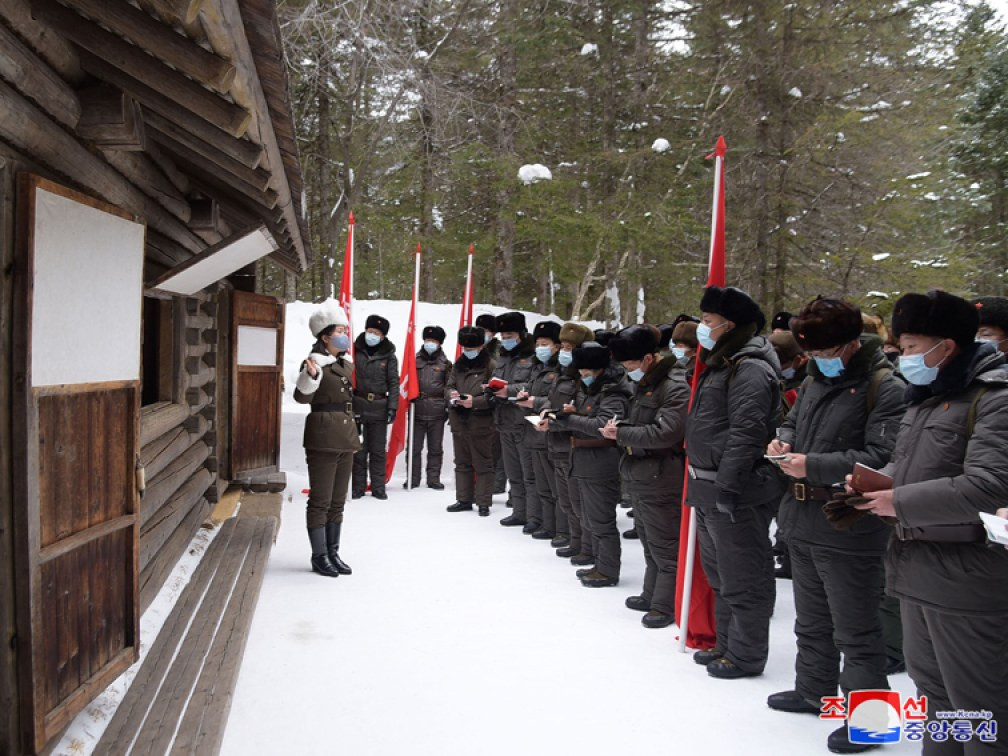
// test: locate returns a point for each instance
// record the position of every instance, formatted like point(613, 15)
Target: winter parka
point(944, 473)
point(516, 368)
point(652, 436)
point(432, 377)
point(564, 391)
point(735, 414)
point(378, 376)
point(330, 425)
point(607, 397)
point(544, 375)
point(468, 377)
point(832, 424)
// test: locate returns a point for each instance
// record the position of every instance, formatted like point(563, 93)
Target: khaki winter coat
point(331, 426)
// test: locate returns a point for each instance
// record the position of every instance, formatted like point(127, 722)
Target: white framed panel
point(86, 308)
point(257, 347)
point(216, 263)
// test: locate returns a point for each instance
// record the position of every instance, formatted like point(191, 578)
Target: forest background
point(867, 149)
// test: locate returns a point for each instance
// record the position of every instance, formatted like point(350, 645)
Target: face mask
point(587, 380)
point(339, 341)
point(471, 354)
point(788, 373)
point(544, 353)
point(679, 353)
point(915, 371)
point(430, 347)
point(565, 358)
point(830, 367)
point(487, 336)
point(995, 342)
point(703, 335)
point(508, 344)
point(636, 375)
point(372, 339)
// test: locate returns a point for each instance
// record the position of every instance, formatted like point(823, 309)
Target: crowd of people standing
point(773, 428)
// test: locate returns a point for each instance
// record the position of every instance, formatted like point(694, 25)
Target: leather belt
point(804, 492)
point(370, 397)
point(591, 443)
point(942, 533)
point(432, 396)
point(346, 407)
point(700, 474)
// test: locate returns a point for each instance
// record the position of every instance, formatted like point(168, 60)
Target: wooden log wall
point(178, 447)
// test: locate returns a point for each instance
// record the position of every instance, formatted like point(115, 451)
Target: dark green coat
point(377, 373)
point(328, 431)
point(831, 424)
point(432, 376)
point(467, 377)
point(516, 368)
point(563, 391)
point(543, 378)
point(607, 397)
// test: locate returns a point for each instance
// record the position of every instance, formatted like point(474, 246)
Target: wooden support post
point(144, 68)
point(162, 41)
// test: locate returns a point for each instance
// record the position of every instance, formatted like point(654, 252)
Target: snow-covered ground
point(455, 635)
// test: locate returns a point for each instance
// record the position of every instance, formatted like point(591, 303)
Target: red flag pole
point(466, 318)
point(408, 389)
point(346, 285)
point(690, 577)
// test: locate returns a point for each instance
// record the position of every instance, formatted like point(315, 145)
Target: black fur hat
point(684, 317)
point(547, 329)
point(487, 322)
point(633, 342)
point(938, 314)
point(666, 330)
point(734, 305)
point(993, 311)
point(826, 323)
point(377, 321)
point(511, 322)
point(603, 336)
point(471, 336)
point(434, 332)
point(782, 320)
point(591, 356)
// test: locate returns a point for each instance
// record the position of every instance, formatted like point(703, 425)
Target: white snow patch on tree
point(725, 90)
point(612, 295)
point(532, 173)
point(589, 48)
point(880, 256)
point(641, 307)
point(878, 294)
point(661, 145)
point(437, 218)
point(794, 92)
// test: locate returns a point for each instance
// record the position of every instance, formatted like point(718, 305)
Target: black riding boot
point(332, 530)
point(320, 557)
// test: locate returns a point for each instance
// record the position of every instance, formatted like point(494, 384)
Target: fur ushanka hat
point(734, 305)
point(471, 337)
point(685, 333)
point(993, 311)
point(328, 315)
point(547, 329)
point(633, 342)
point(591, 356)
point(826, 323)
point(434, 332)
point(487, 322)
point(938, 314)
point(511, 322)
point(575, 333)
point(377, 321)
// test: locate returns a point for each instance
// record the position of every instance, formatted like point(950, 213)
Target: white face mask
point(679, 352)
point(704, 334)
point(372, 339)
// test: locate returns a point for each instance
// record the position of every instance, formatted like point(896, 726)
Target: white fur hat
point(329, 314)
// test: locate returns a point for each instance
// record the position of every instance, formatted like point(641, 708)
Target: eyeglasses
point(827, 354)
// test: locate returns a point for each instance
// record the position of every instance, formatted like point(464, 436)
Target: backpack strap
point(972, 413)
point(874, 382)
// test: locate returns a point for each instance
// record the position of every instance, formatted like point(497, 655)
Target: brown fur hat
point(826, 323)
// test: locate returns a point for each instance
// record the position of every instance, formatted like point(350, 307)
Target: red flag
point(408, 383)
point(467, 302)
point(346, 286)
point(700, 624)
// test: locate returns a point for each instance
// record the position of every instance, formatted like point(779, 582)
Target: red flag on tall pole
point(696, 624)
point(346, 285)
point(467, 302)
point(408, 383)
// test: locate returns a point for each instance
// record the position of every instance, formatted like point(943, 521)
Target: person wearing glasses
point(330, 435)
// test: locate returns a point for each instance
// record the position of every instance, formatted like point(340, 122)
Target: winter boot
point(320, 556)
point(332, 531)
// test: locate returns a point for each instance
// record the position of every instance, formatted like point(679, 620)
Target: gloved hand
point(840, 510)
point(726, 504)
point(391, 417)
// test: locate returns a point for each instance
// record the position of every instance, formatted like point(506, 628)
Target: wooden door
point(78, 286)
point(257, 370)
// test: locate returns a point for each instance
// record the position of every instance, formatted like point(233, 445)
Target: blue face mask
point(372, 339)
point(543, 354)
point(487, 336)
point(565, 358)
point(508, 344)
point(830, 367)
point(430, 346)
point(788, 373)
point(587, 380)
point(916, 371)
point(703, 335)
point(471, 354)
point(339, 342)
point(636, 375)
point(679, 352)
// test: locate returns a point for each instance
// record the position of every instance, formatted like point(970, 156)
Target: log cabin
point(147, 160)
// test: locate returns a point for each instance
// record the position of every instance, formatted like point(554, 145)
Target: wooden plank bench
point(181, 696)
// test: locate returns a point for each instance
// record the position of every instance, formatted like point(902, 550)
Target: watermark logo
point(875, 717)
